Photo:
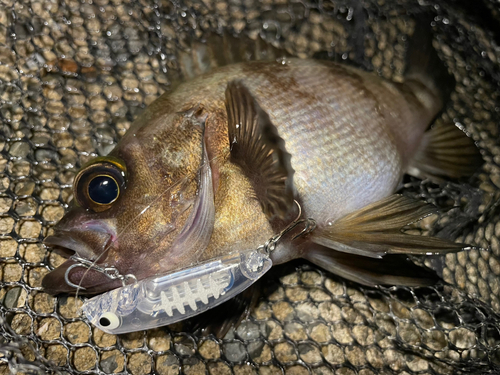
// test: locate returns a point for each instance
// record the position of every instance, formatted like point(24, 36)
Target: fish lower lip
point(92, 281)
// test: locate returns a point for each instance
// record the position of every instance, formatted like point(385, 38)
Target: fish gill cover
point(73, 76)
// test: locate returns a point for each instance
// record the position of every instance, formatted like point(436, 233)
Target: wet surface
point(74, 75)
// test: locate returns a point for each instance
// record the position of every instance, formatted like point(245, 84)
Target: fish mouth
point(72, 273)
point(67, 246)
point(88, 244)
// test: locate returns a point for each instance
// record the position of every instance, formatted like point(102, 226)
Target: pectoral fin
point(376, 230)
point(259, 150)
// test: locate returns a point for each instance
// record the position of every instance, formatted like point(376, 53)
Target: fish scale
point(331, 142)
point(299, 128)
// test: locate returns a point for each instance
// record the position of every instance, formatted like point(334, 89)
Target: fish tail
point(446, 150)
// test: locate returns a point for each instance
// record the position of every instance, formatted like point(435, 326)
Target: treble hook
point(66, 276)
point(110, 272)
point(310, 225)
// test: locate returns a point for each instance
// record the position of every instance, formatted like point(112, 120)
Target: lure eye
point(98, 185)
point(109, 321)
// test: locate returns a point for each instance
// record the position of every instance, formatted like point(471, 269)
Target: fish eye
point(99, 184)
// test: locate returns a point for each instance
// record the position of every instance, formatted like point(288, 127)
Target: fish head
point(146, 208)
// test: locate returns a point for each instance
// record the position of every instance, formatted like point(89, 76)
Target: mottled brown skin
point(144, 234)
point(351, 136)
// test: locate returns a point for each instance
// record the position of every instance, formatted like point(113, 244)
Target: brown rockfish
point(216, 166)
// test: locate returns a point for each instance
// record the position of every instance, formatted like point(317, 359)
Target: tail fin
point(423, 64)
point(446, 150)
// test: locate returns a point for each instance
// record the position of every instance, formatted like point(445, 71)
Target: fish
point(220, 165)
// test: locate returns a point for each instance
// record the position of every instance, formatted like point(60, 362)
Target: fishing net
point(73, 76)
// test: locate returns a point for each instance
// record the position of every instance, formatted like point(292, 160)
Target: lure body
point(159, 301)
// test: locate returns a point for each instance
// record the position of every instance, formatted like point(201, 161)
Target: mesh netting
point(73, 76)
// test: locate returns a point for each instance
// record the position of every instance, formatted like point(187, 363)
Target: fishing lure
point(162, 300)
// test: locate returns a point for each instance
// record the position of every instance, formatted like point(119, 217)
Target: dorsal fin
point(259, 150)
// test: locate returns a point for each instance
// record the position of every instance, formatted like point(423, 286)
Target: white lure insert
point(162, 300)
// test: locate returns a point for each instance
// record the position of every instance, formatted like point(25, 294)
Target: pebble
point(234, 351)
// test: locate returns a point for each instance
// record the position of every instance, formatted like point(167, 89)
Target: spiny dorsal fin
point(259, 150)
point(375, 230)
point(446, 151)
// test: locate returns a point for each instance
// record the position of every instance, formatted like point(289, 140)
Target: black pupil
point(104, 322)
point(103, 189)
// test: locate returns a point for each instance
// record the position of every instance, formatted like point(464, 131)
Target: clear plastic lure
point(163, 300)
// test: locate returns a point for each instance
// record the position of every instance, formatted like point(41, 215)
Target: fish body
point(350, 134)
point(215, 166)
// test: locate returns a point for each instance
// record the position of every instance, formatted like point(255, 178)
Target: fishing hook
point(309, 226)
point(110, 272)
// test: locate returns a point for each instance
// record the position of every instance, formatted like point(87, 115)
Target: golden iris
point(98, 184)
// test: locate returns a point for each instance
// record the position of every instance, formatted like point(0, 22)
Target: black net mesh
point(73, 76)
